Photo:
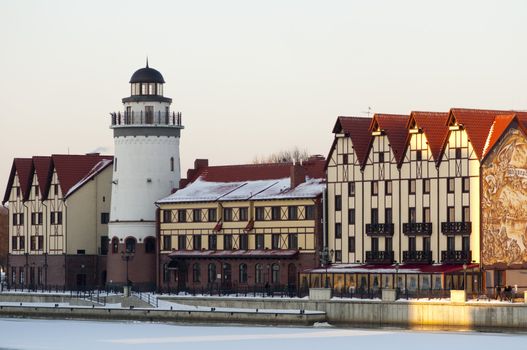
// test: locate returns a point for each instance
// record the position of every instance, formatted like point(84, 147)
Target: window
point(381, 157)
point(181, 242)
point(196, 215)
point(36, 190)
point(244, 214)
point(374, 216)
point(388, 187)
point(13, 275)
point(150, 245)
point(419, 155)
point(451, 243)
point(21, 219)
point(465, 243)
point(114, 166)
point(275, 213)
point(275, 276)
point(310, 212)
point(411, 186)
point(52, 218)
point(14, 243)
point(351, 244)
point(167, 242)
point(466, 214)
point(351, 189)
point(388, 216)
point(105, 218)
point(258, 273)
point(275, 241)
point(374, 188)
point(105, 243)
point(338, 255)
point(351, 216)
point(167, 215)
point(33, 243)
point(36, 218)
point(426, 244)
point(213, 242)
point(196, 242)
point(227, 214)
point(338, 230)
point(18, 192)
point(244, 242)
point(115, 245)
point(412, 215)
point(211, 273)
point(196, 272)
point(426, 215)
point(451, 185)
point(411, 244)
point(130, 245)
point(40, 242)
point(388, 244)
point(466, 185)
point(243, 273)
point(426, 186)
point(292, 213)
point(21, 275)
point(260, 241)
point(451, 214)
point(81, 251)
point(149, 115)
point(181, 215)
point(260, 213)
point(59, 218)
point(227, 242)
point(458, 153)
point(21, 242)
point(14, 220)
point(292, 241)
point(375, 244)
point(172, 164)
point(338, 202)
point(212, 215)
point(344, 159)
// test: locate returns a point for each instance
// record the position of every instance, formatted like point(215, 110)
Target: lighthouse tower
point(146, 169)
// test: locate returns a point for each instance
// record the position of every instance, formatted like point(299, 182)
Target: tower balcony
point(142, 119)
point(456, 228)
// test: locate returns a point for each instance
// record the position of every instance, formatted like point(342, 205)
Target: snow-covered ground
point(26, 334)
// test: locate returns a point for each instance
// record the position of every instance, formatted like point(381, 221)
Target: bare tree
point(295, 155)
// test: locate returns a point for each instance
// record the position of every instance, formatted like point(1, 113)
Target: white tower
point(146, 169)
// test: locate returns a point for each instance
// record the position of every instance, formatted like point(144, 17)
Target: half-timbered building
point(242, 227)
point(58, 214)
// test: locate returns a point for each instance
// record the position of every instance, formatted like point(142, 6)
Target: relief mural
point(504, 201)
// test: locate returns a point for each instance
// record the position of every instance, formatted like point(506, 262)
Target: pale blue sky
point(251, 77)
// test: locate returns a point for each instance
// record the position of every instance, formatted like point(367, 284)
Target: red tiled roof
point(357, 128)
point(24, 170)
point(72, 168)
point(435, 128)
point(394, 125)
point(43, 170)
point(314, 168)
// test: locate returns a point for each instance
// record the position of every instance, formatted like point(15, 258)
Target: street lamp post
point(326, 257)
point(127, 256)
point(396, 277)
point(465, 277)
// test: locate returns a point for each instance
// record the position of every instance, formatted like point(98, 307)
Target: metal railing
point(456, 256)
point(417, 256)
point(148, 298)
point(417, 228)
point(456, 228)
point(146, 118)
point(379, 257)
point(379, 229)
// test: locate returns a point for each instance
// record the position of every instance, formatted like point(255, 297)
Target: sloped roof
point(43, 170)
point(435, 128)
point(394, 125)
point(357, 128)
point(96, 170)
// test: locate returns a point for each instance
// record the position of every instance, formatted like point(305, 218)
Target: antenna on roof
point(368, 112)
point(146, 61)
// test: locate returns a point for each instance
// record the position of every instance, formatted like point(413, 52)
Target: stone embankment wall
point(408, 314)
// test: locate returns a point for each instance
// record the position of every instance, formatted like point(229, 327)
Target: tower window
point(115, 164)
point(171, 163)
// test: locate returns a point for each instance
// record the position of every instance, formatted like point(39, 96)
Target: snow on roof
point(97, 168)
point(206, 191)
point(391, 269)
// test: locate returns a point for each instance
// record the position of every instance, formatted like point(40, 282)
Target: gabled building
point(405, 199)
point(4, 238)
point(58, 214)
point(241, 227)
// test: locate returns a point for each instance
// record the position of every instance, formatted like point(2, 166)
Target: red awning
point(404, 269)
point(230, 254)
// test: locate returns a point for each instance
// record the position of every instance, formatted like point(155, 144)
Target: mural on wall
point(504, 201)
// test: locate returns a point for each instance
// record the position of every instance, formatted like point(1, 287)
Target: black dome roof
point(147, 75)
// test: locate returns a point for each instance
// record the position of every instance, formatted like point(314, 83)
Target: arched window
point(171, 163)
point(150, 245)
point(212, 272)
point(258, 275)
point(115, 164)
point(115, 245)
point(243, 273)
point(196, 273)
point(130, 245)
point(275, 274)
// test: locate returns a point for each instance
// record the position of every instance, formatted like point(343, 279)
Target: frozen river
point(58, 334)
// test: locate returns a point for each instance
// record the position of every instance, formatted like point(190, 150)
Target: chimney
point(201, 163)
point(297, 175)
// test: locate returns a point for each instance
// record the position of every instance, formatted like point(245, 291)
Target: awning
point(233, 254)
point(402, 269)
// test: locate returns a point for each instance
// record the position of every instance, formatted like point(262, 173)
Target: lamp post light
point(127, 256)
point(397, 276)
point(326, 257)
point(465, 277)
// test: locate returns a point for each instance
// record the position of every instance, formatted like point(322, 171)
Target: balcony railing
point(379, 257)
point(417, 256)
point(379, 229)
point(456, 228)
point(456, 256)
point(417, 228)
point(146, 118)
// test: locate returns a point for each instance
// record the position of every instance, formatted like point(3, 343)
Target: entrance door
point(81, 281)
point(291, 275)
point(227, 275)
